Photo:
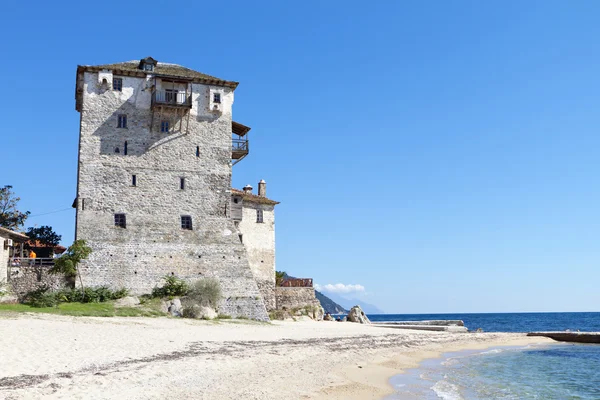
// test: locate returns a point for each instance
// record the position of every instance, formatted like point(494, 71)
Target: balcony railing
point(171, 98)
point(30, 262)
point(239, 149)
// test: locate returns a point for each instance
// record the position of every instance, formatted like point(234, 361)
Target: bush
point(205, 292)
point(173, 287)
point(190, 310)
point(41, 297)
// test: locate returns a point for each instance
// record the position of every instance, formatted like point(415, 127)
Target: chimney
point(247, 189)
point(262, 188)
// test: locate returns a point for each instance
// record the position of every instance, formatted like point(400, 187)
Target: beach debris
point(128, 301)
point(356, 314)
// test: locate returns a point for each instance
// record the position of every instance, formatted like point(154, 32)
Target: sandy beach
point(58, 357)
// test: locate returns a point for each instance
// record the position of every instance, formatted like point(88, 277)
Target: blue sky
point(441, 155)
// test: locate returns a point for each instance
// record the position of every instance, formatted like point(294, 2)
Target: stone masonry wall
point(3, 259)
point(259, 240)
point(295, 297)
point(24, 279)
point(153, 244)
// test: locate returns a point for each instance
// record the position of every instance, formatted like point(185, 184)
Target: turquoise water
point(556, 371)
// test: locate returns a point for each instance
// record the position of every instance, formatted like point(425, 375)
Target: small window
point(197, 151)
point(148, 67)
point(120, 220)
point(235, 200)
point(125, 148)
point(164, 126)
point(217, 98)
point(186, 222)
point(259, 216)
point(133, 180)
point(118, 84)
point(117, 150)
point(182, 183)
point(122, 122)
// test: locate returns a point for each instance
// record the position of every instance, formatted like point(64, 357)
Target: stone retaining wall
point(24, 279)
point(295, 297)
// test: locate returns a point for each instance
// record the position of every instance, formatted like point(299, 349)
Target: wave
point(446, 390)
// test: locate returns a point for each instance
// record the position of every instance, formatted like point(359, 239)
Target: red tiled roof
point(58, 249)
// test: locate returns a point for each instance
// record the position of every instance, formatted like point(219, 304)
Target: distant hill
point(349, 303)
point(329, 305)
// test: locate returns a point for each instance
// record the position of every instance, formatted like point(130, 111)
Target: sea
point(558, 371)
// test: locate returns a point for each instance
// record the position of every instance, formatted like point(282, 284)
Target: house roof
point(58, 249)
point(161, 69)
point(21, 237)
point(252, 197)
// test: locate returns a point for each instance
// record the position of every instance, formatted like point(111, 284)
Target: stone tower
point(156, 148)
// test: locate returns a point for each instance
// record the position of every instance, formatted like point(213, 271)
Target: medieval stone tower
point(156, 148)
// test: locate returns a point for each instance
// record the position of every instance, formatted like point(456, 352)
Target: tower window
point(164, 126)
point(182, 183)
point(122, 121)
point(197, 151)
point(186, 222)
point(120, 220)
point(118, 84)
point(125, 148)
point(133, 180)
point(217, 98)
point(259, 216)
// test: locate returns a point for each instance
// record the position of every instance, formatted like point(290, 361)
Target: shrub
point(190, 310)
point(205, 292)
point(40, 297)
point(173, 287)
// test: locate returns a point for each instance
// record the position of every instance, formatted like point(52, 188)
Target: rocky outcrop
point(356, 314)
point(174, 307)
point(199, 312)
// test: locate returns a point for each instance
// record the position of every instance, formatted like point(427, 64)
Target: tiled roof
point(161, 69)
point(58, 249)
point(252, 197)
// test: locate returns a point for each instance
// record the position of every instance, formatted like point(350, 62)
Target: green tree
point(67, 263)
point(279, 277)
point(10, 216)
point(45, 235)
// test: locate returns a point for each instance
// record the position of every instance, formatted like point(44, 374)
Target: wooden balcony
point(170, 98)
point(239, 142)
point(239, 149)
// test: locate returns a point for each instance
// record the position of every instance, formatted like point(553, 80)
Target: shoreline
point(372, 381)
point(60, 357)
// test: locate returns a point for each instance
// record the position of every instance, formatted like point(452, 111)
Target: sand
point(57, 357)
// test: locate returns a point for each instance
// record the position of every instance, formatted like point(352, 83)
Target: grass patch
point(85, 310)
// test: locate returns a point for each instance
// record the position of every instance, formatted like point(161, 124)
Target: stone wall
point(4, 255)
point(24, 279)
point(153, 243)
point(259, 240)
point(295, 297)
